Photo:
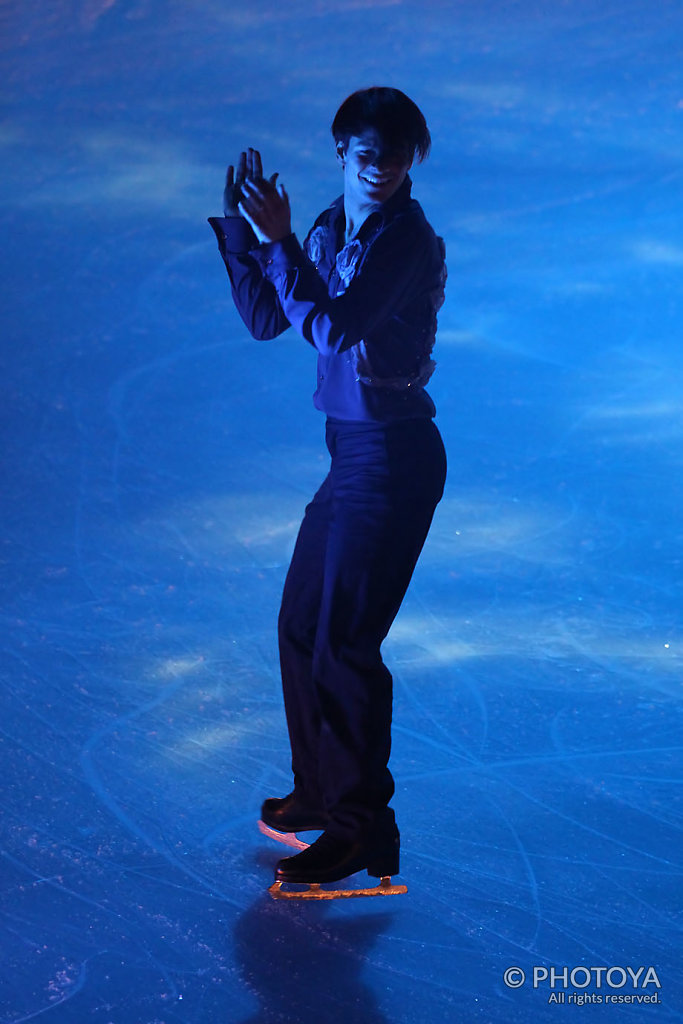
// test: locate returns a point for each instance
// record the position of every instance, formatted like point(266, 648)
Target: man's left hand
point(266, 207)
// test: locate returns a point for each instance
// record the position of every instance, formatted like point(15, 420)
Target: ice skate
point(330, 860)
point(315, 891)
point(287, 838)
point(282, 818)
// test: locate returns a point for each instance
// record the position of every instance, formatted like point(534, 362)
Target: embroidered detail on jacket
point(364, 371)
point(316, 243)
point(347, 262)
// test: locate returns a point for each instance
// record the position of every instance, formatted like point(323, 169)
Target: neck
point(355, 214)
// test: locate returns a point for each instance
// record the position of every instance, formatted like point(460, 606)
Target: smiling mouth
point(377, 182)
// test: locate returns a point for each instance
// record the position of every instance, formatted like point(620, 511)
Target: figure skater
point(364, 291)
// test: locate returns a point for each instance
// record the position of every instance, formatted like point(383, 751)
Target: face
point(372, 172)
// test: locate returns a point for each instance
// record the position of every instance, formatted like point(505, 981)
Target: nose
point(384, 159)
point(388, 158)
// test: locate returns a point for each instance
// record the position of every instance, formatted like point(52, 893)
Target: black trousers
point(354, 557)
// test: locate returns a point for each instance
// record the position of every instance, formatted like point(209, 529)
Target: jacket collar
point(383, 214)
point(399, 199)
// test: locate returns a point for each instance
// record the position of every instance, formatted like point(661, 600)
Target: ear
point(341, 153)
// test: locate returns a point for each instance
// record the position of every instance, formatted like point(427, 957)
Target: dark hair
point(397, 120)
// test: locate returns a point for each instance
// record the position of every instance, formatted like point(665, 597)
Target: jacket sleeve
point(254, 295)
point(393, 270)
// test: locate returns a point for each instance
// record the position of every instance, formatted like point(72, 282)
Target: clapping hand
point(261, 202)
point(248, 166)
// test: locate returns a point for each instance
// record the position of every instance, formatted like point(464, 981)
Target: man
point(363, 291)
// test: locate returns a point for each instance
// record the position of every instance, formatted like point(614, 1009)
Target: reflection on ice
point(664, 253)
point(172, 668)
point(130, 173)
point(536, 632)
point(648, 410)
point(476, 524)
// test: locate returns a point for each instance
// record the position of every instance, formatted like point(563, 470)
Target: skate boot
point(283, 817)
point(330, 859)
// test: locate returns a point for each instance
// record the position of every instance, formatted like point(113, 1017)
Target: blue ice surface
point(156, 462)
